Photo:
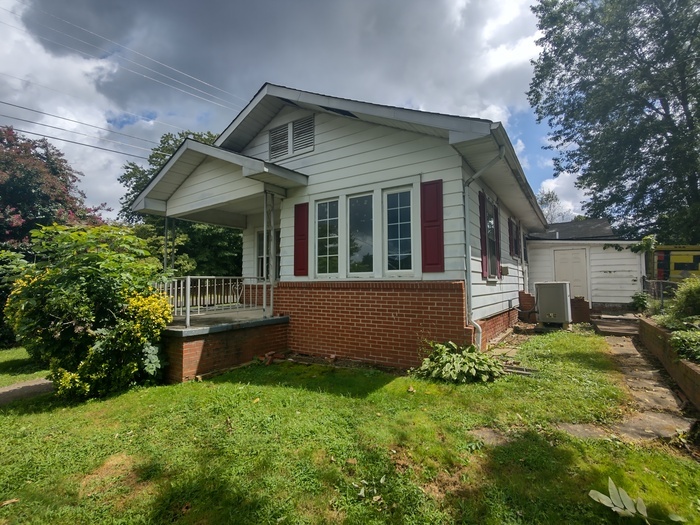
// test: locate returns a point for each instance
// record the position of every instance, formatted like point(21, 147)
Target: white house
point(392, 225)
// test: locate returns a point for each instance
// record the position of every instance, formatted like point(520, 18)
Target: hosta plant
point(453, 363)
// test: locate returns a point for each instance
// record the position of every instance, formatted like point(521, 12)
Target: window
point(261, 246)
point(398, 221)
point(514, 238)
point(360, 234)
point(292, 138)
point(327, 237)
point(490, 238)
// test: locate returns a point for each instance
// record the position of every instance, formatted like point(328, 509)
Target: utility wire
point(80, 143)
point(122, 67)
point(136, 52)
point(75, 132)
point(140, 117)
point(77, 122)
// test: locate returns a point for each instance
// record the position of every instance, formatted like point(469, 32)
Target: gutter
point(467, 238)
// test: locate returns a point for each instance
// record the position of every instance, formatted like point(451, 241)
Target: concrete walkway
point(24, 390)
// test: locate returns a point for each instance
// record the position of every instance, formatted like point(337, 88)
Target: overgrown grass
point(309, 444)
point(15, 366)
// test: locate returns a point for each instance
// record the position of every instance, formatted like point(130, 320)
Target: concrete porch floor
point(217, 317)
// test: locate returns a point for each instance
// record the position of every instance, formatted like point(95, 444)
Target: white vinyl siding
point(351, 157)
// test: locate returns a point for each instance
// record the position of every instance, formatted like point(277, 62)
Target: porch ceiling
point(213, 205)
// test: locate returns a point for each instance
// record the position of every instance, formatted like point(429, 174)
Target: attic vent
point(279, 142)
point(303, 134)
point(292, 138)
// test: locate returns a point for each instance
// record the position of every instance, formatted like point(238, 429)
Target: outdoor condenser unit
point(553, 302)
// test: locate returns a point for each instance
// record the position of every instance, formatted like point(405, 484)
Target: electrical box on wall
point(553, 303)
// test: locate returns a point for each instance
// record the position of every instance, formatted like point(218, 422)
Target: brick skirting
point(496, 324)
point(685, 373)
point(380, 322)
point(202, 351)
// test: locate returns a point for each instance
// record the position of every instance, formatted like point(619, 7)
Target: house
point(391, 225)
point(599, 266)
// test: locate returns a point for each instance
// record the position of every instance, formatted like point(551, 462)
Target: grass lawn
point(292, 443)
point(15, 366)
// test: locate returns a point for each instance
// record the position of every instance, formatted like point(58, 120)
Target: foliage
point(88, 310)
point(640, 301)
point(11, 267)
point(552, 207)
point(617, 82)
point(208, 249)
point(37, 186)
point(686, 303)
point(646, 245)
point(621, 503)
point(458, 364)
point(687, 344)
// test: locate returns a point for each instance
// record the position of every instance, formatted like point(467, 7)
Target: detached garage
point(601, 268)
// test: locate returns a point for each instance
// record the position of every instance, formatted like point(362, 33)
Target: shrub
point(640, 301)
point(687, 300)
point(687, 344)
point(456, 364)
point(11, 267)
point(88, 310)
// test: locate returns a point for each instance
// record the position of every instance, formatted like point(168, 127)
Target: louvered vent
point(279, 142)
point(303, 134)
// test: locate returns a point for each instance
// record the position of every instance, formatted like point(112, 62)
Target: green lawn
point(15, 366)
point(308, 444)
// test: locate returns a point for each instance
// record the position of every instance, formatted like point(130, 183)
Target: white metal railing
point(192, 295)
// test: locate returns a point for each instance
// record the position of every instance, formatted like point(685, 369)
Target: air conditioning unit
point(553, 303)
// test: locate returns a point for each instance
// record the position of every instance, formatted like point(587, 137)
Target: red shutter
point(432, 235)
point(482, 235)
point(301, 239)
point(497, 227)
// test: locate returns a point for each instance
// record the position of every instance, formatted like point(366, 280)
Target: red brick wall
point(496, 324)
point(215, 352)
point(381, 322)
point(683, 372)
point(527, 307)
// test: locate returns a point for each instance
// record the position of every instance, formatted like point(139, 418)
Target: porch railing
point(193, 295)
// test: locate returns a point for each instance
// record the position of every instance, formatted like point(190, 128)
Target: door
point(571, 265)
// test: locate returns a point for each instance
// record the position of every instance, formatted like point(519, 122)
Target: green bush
point(687, 300)
point(457, 364)
point(687, 344)
point(640, 301)
point(11, 267)
point(87, 309)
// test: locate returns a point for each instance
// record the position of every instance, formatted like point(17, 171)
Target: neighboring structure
point(391, 225)
point(600, 267)
point(675, 262)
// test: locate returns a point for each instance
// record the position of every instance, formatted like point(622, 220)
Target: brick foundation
point(496, 324)
point(200, 351)
point(380, 322)
point(580, 311)
point(685, 373)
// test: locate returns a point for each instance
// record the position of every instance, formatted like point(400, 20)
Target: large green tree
point(37, 186)
point(618, 81)
point(200, 249)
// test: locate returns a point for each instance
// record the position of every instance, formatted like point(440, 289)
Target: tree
point(211, 250)
point(552, 207)
point(37, 186)
point(618, 83)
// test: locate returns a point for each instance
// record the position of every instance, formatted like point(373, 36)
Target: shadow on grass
point(14, 367)
point(348, 382)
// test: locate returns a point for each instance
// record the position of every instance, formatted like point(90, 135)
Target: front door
point(571, 265)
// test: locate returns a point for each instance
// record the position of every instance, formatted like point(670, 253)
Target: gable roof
point(477, 140)
point(589, 229)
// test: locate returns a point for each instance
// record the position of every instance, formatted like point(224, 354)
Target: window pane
point(399, 231)
point(327, 237)
point(360, 242)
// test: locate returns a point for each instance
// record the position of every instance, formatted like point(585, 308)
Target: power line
point(140, 117)
point(135, 52)
point(80, 143)
point(122, 67)
point(75, 132)
point(77, 122)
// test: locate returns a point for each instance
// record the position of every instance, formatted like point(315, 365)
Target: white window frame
point(347, 234)
point(385, 230)
point(339, 255)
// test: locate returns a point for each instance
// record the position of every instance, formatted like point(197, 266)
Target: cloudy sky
point(145, 68)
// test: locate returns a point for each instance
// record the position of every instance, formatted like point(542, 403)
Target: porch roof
point(188, 157)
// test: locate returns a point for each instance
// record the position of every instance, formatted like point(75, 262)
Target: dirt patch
point(116, 481)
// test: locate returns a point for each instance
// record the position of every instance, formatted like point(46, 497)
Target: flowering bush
point(88, 310)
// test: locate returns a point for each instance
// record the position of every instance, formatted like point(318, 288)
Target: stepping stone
point(489, 436)
point(584, 430)
point(650, 425)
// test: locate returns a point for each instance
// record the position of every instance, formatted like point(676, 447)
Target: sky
point(121, 73)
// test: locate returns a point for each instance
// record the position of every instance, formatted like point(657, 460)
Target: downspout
point(468, 236)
